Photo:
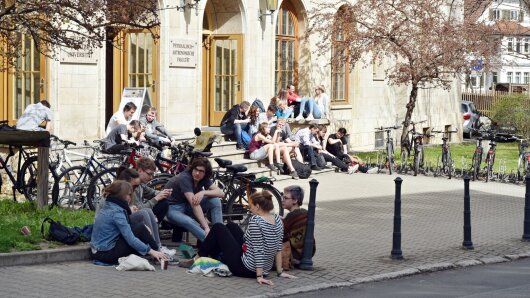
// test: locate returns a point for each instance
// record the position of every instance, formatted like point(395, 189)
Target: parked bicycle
point(389, 149)
point(447, 164)
point(477, 156)
point(414, 141)
point(490, 156)
point(523, 162)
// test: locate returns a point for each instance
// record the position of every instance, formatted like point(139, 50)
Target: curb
point(63, 254)
point(427, 268)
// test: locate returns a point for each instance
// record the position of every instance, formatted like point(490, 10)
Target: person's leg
point(299, 155)
point(160, 210)
point(215, 207)
point(141, 232)
point(116, 149)
point(152, 224)
point(177, 215)
point(271, 151)
point(302, 108)
point(221, 240)
point(336, 162)
point(237, 133)
point(317, 113)
point(236, 232)
point(288, 162)
point(227, 129)
point(310, 105)
point(310, 153)
point(121, 249)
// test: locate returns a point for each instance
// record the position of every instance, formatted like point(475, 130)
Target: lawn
point(13, 216)
point(507, 153)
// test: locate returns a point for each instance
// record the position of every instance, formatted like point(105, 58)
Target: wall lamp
point(189, 4)
point(271, 6)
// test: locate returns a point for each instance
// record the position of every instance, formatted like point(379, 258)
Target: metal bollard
point(396, 253)
point(526, 233)
point(306, 263)
point(467, 243)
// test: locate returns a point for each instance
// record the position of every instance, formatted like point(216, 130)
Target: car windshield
point(463, 108)
point(472, 107)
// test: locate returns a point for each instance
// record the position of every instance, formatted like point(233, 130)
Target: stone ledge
point(64, 254)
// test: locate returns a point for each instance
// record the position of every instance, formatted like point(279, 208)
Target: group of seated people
point(270, 138)
point(127, 221)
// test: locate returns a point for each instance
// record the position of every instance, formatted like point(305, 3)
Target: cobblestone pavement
point(354, 238)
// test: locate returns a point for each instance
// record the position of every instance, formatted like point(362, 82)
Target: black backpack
point(303, 170)
point(59, 232)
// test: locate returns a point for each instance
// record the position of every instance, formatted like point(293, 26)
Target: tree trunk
point(410, 108)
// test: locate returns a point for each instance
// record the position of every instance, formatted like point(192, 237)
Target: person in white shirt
point(36, 117)
point(121, 117)
point(309, 145)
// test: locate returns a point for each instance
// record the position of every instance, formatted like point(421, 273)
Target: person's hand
point(262, 281)
point(163, 194)
point(206, 231)
point(134, 208)
point(197, 198)
point(287, 275)
point(158, 255)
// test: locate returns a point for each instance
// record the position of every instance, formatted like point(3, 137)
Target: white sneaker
point(299, 118)
point(373, 170)
point(309, 118)
point(170, 252)
point(350, 170)
point(355, 168)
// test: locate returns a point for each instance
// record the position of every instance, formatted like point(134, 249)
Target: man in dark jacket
point(235, 121)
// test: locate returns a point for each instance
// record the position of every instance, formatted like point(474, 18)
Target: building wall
point(78, 95)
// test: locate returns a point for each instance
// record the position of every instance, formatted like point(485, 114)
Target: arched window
point(340, 68)
point(286, 66)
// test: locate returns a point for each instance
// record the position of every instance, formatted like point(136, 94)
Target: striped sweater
point(262, 241)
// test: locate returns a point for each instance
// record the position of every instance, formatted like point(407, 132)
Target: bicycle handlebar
point(66, 143)
point(381, 128)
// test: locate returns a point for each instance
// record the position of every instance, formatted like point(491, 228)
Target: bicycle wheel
point(521, 168)
point(489, 168)
point(417, 161)
point(390, 157)
point(449, 165)
point(404, 159)
point(237, 208)
point(158, 182)
point(71, 187)
point(477, 158)
point(28, 179)
point(97, 184)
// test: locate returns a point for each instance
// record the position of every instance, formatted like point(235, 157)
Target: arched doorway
point(222, 51)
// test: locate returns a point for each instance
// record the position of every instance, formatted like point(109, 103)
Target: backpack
point(303, 170)
point(259, 104)
point(58, 232)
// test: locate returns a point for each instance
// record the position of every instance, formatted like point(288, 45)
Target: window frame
point(278, 38)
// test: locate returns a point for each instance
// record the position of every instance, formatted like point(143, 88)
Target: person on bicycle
point(155, 133)
point(120, 137)
point(36, 116)
point(193, 193)
point(295, 223)
point(113, 235)
point(121, 117)
point(253, 253)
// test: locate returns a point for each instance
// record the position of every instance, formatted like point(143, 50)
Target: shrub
point(513, 110)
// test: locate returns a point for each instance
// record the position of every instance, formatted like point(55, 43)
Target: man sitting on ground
point(193, 194)
point(121, 117)
point(295, 222)
point(235, 121)
point(309, 145)
point(37, 116)
point(337, 145)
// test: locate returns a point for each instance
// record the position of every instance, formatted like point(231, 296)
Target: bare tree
point(428, 42)
point(75, 24)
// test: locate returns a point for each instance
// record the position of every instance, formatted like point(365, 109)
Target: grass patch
point(462, 155)
point(13, 216)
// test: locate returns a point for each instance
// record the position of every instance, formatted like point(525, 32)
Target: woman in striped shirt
point(251, 254)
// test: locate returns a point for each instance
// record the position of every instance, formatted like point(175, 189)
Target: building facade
point(208, 58)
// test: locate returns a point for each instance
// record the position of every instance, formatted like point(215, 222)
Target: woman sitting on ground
point(263, 145)
point(113, 235)
point(253, 253)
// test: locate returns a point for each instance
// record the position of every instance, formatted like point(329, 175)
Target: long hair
point(119, 189)
point(253, 113)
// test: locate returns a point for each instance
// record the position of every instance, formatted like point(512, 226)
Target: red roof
point(510, 28)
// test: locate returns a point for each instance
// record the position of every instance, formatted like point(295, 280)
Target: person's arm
point(197, 212)
point(49, 126)
point(277, 136)
point(344, 148)
point(120, 220)
point(153, 197)
point(332, 141)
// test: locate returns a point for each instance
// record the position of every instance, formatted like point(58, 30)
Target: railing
point(484, 100)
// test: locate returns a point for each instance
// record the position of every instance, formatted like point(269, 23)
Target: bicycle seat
point(222, 162)
point(236, 168)
point(201, 154)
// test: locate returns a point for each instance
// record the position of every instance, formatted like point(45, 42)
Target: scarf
point(120, 203)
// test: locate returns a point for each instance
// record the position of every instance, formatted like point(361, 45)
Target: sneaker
point(279, 166)
point(355, 168)
point(240, 147)
point(309, 118)
point(350, 170)
point(271, 167)
point(169, 252)
point(316, 168)
point(186, 263)
point(373, 170)
point(299, 118)
point(294, 175)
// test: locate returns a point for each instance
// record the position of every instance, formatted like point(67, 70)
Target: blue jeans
point(235, 129)
point(181, 215)
point(308, 105)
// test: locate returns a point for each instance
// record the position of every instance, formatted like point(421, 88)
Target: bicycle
point(477, 157)
point(407, 147)
point(447, 166)
point(389, 148)
point(523, 162)
point(490, 156)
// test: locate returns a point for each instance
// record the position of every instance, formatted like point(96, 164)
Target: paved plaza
point(354, 221)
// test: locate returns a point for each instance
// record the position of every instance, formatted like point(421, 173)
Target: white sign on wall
point(139, 96)
point(182, 53)
point(81, 56)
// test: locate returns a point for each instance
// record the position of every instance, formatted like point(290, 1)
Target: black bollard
point(467, 243)
point(396, 253)
point(306, 263)
point(526, 233)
